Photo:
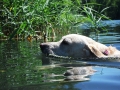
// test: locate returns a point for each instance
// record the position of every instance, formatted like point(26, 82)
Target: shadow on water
point(23, 67)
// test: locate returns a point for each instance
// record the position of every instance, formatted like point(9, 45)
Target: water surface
point(23, 67)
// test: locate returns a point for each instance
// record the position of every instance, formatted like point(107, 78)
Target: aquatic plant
point(24, 17)
point(46, 18)
point(93, 18)
point(112, 12)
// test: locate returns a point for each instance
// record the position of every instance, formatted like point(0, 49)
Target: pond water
point(23, 67)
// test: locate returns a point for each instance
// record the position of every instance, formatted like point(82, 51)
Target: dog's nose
point(44, 46)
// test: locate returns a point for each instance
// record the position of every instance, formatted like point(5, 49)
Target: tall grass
point(23, 18)
point(94, 18)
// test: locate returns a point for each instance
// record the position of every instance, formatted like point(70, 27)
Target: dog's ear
point(95, 51)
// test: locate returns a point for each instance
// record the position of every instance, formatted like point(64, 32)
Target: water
point(23, 67)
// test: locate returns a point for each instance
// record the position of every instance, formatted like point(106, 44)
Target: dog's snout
point(45, 48)
point(43, 45)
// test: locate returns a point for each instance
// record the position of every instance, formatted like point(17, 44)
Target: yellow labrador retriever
point(74, 45)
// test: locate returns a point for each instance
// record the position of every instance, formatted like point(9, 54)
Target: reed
point(93, 18)
point(23, 18)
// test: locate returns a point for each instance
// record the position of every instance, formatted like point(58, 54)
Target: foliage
point(22, 18)
point(94, 18)
point(27, 16)
point(112, 12)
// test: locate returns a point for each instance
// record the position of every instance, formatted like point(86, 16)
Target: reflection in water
point(79, 73)
point(17, 60)
point(74, 74)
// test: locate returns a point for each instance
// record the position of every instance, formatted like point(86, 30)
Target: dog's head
point(72, 45)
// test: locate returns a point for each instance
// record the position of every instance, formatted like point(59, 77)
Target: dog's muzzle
point(45, 48)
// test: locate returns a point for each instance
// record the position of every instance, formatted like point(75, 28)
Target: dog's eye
point(66, 41)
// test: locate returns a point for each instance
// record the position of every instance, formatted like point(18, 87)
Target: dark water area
point(24, 67)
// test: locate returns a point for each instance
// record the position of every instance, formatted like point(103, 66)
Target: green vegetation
point(112, 12)
point(24, 17)
point(94, 19)
point(46, 18)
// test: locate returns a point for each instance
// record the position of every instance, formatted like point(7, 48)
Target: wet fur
point(74, 45)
